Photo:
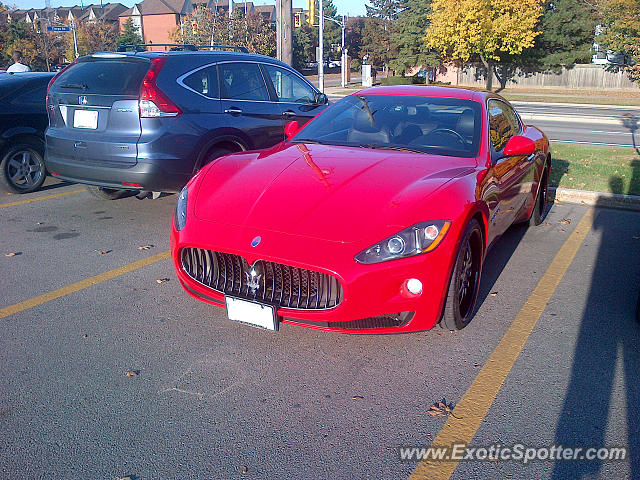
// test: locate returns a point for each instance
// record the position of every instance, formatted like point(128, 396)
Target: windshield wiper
point(76, 86)
point(389, 147)
point(305, 140)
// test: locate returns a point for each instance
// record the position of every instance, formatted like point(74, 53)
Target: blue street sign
point(58, 29)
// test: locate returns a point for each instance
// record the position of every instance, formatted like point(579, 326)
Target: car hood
point(335, 193)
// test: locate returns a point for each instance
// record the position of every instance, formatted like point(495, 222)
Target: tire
point(214, 153)
point(540, 207)
point(22, 168)
point(104, 193)
point(460, 303)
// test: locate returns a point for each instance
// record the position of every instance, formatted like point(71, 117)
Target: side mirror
point(321, 99)
point(519, 145)
point(290, 129)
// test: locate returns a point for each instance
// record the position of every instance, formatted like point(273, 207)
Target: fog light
point(414, 286)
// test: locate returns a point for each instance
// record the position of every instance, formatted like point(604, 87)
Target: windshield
point(441, 126)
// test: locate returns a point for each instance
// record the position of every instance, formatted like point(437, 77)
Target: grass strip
point(595, 168)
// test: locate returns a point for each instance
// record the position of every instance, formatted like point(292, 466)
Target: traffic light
point(311, 17)
point(38, 25)
point(296, 20)
point(194, 27)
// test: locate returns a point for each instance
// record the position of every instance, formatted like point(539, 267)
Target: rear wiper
point(76, 86)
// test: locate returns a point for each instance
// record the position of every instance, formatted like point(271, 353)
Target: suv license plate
point(252, 313)
point(85, 119)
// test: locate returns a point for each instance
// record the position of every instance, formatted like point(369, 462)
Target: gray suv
point(145, 122)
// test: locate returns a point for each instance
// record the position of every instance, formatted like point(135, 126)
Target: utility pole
point(320, 47)
point(284, 31)
point(75, 38)
point(231, 22)
point(279, 29)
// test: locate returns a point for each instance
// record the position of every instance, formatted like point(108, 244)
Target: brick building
point(155, 19)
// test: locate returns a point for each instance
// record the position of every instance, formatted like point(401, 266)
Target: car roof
point(463, 93)
point(25, 75)
point(214, 55)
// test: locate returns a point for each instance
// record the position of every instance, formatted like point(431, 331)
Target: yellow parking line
point(474, 405)
point(81, 285)
point(37, 199)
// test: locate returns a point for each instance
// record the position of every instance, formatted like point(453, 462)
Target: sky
point(345, 7)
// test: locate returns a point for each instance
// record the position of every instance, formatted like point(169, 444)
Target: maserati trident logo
point(254, 275)
point(82, 100)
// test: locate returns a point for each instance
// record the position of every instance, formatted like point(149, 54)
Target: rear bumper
point(151, 176)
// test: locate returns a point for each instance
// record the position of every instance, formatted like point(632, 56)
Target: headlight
point(419, 238)
point(180, 213)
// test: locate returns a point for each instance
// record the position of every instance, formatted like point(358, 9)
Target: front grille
point(278, 284)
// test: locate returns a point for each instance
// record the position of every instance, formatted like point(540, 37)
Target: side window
point(242, 81)
point(204, 81)
point(503, 124)
point(289, 87)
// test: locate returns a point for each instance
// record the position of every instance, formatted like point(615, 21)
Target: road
point(589, 124)
point(209, 398)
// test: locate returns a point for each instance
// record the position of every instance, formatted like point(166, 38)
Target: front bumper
point(368, 290)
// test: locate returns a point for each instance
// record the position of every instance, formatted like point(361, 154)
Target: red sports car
point(375, 217)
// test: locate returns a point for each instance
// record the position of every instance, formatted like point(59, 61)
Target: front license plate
point(263, 316)
point(85, 119)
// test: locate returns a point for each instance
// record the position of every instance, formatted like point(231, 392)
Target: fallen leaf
point(442, 409)
point(133, 373)
point(245, 470)
point(493, 294)
point(357, 397)
point(145, 247)
point(565, 221)
point(546, 224)
point(39, 223)
point(11, 254)
point(162, 280)
point(476, 365)
point(103, 252)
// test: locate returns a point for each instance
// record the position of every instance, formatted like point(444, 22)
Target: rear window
point(105, 77)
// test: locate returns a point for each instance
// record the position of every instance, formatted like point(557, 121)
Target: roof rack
point(142, 47)
point(223, 47)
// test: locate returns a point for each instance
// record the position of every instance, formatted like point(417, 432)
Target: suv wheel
point(109, 193)
point(22, 168)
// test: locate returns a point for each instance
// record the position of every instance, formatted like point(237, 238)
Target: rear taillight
point(54, 79)
point(153, 102)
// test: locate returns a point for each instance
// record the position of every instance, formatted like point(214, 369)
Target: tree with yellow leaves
point(483, 28)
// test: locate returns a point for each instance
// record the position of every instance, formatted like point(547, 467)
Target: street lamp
point(342, 51)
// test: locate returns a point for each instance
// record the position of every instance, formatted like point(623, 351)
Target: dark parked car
point(23, 120)
point(147, 121)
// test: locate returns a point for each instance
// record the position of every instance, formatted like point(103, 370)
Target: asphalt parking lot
point(109, 369)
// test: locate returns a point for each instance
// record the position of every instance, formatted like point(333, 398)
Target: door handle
point(233, 111)
point(289, 114)
point(79, 145)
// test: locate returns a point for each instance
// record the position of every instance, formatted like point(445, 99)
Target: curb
point(595, 199)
